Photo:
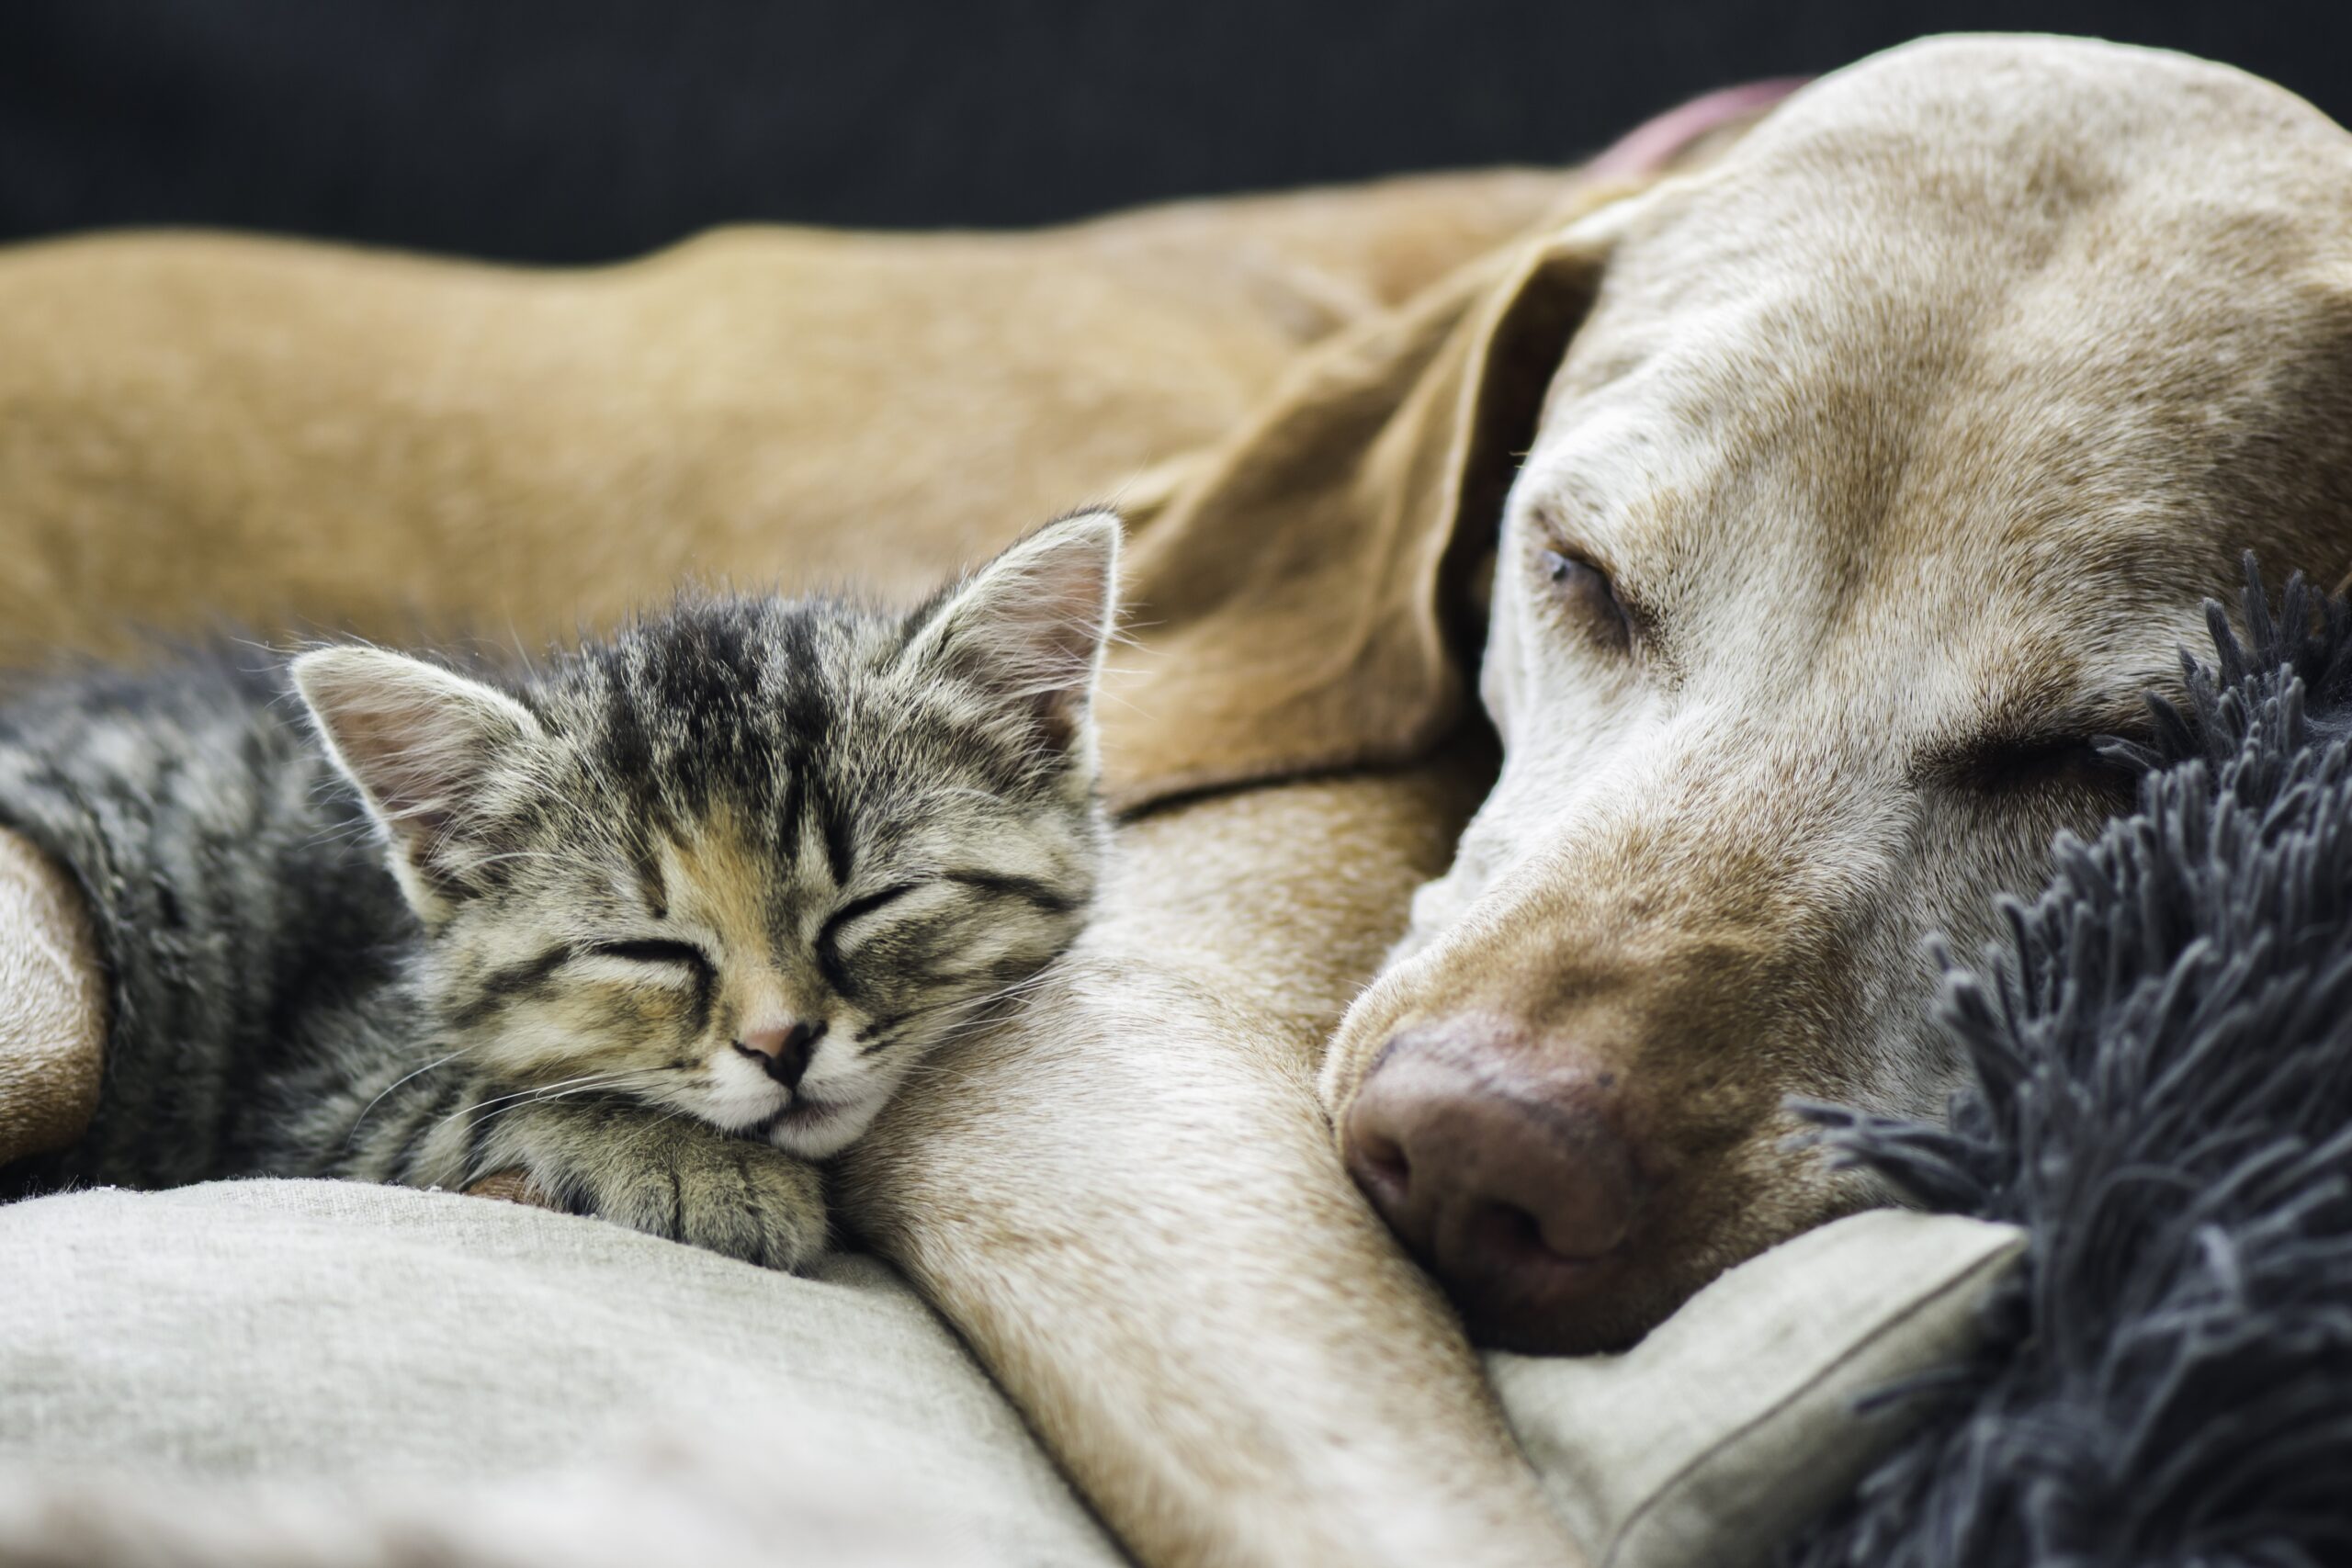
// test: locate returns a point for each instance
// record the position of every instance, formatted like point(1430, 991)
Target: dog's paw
point(669, 1176)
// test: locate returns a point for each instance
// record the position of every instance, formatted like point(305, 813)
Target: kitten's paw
point(672, 1177)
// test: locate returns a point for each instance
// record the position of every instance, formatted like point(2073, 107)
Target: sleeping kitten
point(656, 922)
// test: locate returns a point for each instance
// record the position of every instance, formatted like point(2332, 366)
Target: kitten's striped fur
point(656, 921)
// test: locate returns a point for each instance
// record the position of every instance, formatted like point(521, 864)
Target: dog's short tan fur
point(205, 428)
point(1940, 402)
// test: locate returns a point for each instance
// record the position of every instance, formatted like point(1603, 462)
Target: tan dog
point(1894, 459)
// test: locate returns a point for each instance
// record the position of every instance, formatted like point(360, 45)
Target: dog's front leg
point(1130, 1204)
point(52, 1005)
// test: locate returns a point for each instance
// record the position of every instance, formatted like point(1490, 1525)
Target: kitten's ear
point(1031, 624)
point(431, 751)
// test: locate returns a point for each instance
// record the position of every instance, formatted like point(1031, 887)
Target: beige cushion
point(1733, 1424)
point(323, 1373)
point(426, 1352)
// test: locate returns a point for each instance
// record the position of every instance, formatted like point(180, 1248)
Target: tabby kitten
point(657, 922)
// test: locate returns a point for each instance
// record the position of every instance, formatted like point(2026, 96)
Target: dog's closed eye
point(1585, 590)
point(2016, 764)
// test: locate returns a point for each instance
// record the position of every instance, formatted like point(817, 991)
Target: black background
point(580, 129)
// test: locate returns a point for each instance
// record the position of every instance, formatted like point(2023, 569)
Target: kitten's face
point(715, 957)
point(750, 861)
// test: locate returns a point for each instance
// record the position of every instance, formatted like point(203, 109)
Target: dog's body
point(1891, 457)
point(197, 429)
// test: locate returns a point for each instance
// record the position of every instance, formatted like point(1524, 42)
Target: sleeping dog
point(1890, 461)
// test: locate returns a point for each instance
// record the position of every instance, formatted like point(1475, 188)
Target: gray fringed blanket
point(2163, 1097)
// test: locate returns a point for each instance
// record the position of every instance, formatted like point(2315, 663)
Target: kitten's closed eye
point(653, 951)
point(854, 921)
point(858, 907)
point(670, 963)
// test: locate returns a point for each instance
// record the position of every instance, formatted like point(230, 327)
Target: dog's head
point(1893, 460)
point(1870, 473)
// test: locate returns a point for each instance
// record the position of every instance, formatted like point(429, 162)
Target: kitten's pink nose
point(785, 1052)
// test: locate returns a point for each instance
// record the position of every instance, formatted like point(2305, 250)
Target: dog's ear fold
point(1298, 599)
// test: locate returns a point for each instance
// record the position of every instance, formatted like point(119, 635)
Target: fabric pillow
point(451, 1369)
point(326, 1373)
point(1731, 1425)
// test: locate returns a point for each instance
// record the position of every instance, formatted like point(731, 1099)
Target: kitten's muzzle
point(783, 1052)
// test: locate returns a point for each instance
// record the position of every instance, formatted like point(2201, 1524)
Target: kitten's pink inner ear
point(419, 741)
point(1032, 624)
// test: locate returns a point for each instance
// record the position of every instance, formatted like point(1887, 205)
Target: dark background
point(582, 129)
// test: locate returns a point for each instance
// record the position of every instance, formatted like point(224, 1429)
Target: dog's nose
point(1514, 1189)
point(785, 1052)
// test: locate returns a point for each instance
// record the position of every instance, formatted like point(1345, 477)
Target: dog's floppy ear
point(1292, 602)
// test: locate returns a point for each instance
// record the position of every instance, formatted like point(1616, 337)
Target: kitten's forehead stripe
point(704, 680)
point(789, 815)
point(628, 752)
point(834, 824)
point(652, 886)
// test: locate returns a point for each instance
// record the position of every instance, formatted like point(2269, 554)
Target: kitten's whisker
point(360, 1120)
point(675, 1113)
point(568, 1085)
point(972, 1014)
point(483, 1112)
point(959, 1013)
point(933, 1068)
point(1010, 988)
point(987, 998)
point(536, 1089)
